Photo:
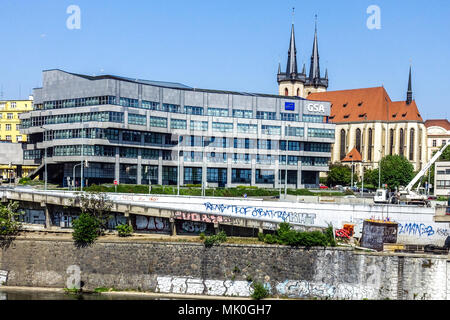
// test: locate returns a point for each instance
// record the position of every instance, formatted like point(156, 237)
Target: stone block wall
point(228, 270)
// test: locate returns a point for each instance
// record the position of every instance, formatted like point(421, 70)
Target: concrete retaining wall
point(226, 270)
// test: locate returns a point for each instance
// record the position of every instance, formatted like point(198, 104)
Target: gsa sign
point(289, 106)
point(315, 107)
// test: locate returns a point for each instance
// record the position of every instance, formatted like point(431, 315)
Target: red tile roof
point(353, 155)
point(443, 123)
point(366, 105)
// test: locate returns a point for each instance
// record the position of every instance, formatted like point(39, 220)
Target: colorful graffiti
point(143, 223)
point(207, 218)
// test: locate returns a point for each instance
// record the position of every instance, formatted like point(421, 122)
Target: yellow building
point(9, 119)
point(11, 156)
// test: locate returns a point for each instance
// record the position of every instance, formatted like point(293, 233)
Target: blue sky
point(231, 45)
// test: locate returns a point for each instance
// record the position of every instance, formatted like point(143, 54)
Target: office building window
point(138, 119)
point(178, 124)
point(193, 110)
point(247, 128)
point(313, 118)
point(199, 125)
point(218, 112)
point(266, 115)
point(158, 122)
point(289, 116)
point(271, 130)
point(248, 114)
point(222, 127)
point(294, 131)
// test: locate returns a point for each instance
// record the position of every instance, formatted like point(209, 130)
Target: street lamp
point(45, 157)
point(73, 181)
point(82, 153)
point(379, 170)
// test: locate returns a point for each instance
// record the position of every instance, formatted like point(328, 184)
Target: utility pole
point(82, 154)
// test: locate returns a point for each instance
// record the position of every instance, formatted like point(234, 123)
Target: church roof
point(353, 155)
point(367, 105)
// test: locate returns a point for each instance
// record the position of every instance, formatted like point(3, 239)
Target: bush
point(124, 230)
point(287, 236)
point(259, 291)
point(215, 239)
point(86, 229)
point(202, 236)
point(9, 226)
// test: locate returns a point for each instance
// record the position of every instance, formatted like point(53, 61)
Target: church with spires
point(293, 83)
point(369, 125)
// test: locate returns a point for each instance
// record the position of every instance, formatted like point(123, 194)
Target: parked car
point(322, 186)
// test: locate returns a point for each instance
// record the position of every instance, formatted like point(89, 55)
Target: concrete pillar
point(117, 166)
point(173, 226)
point(229, 172)
point(299, 174)
point(139, 167)
point(253, 160)
point(48, 221)
point(160, 169)
point(216, 227)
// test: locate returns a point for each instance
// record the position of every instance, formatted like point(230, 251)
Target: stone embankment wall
point(226, 270)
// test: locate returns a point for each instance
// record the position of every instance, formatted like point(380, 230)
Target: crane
point(411, 197)
point(406, 195)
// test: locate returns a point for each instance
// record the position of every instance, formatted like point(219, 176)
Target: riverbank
point(111, 295)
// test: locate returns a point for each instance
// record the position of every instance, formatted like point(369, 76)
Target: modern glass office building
point(140, 132)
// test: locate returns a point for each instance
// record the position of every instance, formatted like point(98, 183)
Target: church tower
point(293, 83)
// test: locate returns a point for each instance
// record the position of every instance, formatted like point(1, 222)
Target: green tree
point(9, 224)
point(95, 212)
point(339, 175)
point(371, 177)
point(396, 171)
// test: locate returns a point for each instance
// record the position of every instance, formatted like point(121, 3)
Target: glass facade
point(150, 141)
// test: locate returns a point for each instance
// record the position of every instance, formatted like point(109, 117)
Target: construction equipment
point(407, 195)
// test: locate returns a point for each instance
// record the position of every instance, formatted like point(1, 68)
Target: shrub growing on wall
point(85, 229)
point(9, 224)
point(95, 212)
point(124, 230)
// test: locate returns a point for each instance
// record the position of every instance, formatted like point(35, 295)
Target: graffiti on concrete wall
point(153, 224)
point(288, 288)
point(259, 212)
point(416, 229)
point(115, 220)
point(193, 226)
point(201, 217)
point(185, 285)
point(3, 277)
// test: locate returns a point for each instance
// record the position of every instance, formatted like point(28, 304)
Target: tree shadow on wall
point(6, 241)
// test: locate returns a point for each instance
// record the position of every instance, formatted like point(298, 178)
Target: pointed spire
point(291, 67)
point(326, 73)
point(314, 71)
point(304, 69)
point(409, 93)
point(279, 68)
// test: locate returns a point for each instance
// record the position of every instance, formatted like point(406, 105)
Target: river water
point(44, 295)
